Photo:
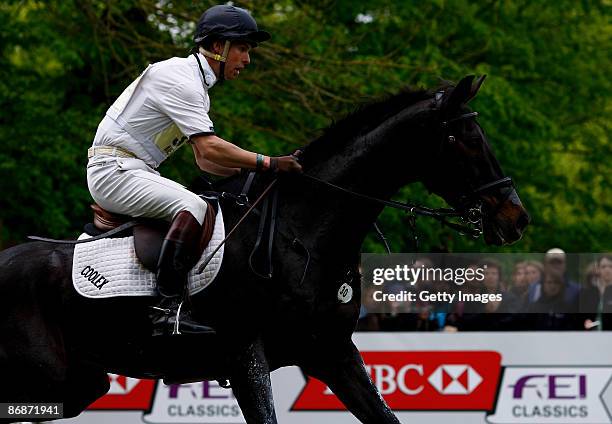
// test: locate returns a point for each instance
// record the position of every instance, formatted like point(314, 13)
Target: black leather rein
point(471, 216)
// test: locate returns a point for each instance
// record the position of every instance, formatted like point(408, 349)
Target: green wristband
point(259, 162)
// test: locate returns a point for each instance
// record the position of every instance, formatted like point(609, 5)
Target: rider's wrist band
point(259, 162)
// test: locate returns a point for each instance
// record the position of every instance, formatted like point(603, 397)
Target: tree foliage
point(544, 105)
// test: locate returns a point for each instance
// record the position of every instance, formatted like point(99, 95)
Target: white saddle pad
point(109, 267)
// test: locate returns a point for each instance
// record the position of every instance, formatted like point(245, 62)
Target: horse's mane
point(365, 118)
point(362, 120)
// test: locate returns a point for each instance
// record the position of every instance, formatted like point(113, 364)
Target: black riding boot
point(164, 318)
point(179, 253)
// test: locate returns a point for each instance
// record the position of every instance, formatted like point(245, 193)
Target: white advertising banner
point(497, 378)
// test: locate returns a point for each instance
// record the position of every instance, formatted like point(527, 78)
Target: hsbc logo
point(121, 385)
point(455, 379)
point(126, 393)
point(449, 380)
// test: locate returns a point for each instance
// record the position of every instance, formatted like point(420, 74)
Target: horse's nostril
point(522, 221)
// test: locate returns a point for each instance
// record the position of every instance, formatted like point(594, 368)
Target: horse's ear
point(475, 87)
point(460, 95)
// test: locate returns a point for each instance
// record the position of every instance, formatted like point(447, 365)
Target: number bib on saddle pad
point(109, 267)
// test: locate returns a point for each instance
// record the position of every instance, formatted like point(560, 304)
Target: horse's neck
point(344, 219)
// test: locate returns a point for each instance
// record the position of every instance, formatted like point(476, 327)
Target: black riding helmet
point(232, 23)
point(228, 23)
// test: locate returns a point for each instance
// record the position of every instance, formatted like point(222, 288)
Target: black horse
point(56, 346)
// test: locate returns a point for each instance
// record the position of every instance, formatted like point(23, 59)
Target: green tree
point(544, 104)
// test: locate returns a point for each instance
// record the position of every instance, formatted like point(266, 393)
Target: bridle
point(470, 204)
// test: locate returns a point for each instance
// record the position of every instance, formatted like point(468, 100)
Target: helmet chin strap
point(221, 58)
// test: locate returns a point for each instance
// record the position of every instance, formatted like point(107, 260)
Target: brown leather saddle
point(149, 233)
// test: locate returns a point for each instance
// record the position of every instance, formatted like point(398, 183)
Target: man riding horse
point(57, 345)
point(166, 106)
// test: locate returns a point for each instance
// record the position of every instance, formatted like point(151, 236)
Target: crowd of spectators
point(537, 296)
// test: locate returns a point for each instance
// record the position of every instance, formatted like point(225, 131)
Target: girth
point(261, 255)
point(260, 259)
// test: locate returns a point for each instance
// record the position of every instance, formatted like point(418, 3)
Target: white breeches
point(130, 187)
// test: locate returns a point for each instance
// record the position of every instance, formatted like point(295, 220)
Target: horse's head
point(466, 173)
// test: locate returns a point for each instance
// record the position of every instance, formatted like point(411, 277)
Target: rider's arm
point(211, 167)
point(223, 153)
point(228, 155)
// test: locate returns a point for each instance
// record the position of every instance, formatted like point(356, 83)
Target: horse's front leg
point(345, 374)
point(250, 380)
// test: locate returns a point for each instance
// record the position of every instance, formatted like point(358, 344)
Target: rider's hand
point(285, 164)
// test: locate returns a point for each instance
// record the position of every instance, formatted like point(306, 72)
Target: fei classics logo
point(438, 380)
point(554, 395)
